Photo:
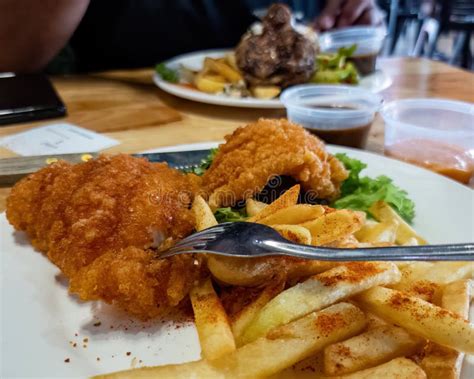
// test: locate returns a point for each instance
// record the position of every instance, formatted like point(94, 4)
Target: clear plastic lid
point(440, 119)
point(330, 106)
point(368, 39)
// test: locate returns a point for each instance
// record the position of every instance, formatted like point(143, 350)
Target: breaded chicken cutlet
point(98, 222)
point(253, 154)
point(101, 222)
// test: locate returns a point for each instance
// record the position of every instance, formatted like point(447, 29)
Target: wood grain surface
point(127, 106)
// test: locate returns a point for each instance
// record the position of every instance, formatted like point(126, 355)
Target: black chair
point(426, 42)
point(400, 14)
point(458, 16)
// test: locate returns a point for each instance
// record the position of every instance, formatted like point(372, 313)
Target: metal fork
point(246, 240)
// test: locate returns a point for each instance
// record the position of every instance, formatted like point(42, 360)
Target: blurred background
point(436, 29)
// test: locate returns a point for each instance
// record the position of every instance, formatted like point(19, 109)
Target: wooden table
point(131, 99)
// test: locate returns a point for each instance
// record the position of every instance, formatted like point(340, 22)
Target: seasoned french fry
point(395, 369)
point(441, 362)
point(385, 231)
point(385, 213)
point(212, 324)
point(294, 233)
point(243, 318)
point(285, 346)
point(223, 69)
point(318, 292)
point(197, 369)
point(334, 226)
point(288, 199)
point(265, 92)
point(309, 368)
point(437, 272)
point(424, 279)
point(209, 84)
point(372, 348)
point(204, 218)
point(347, 242)
point(420, 318)
point(253, 207)
point(295, 214)
point(297, 270)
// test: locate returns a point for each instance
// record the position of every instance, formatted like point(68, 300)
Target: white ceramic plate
point(375, 82)
point(41, 322)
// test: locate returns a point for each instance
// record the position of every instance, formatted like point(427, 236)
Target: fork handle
point(451, 252)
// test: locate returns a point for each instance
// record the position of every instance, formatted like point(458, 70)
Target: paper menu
point(62, 138)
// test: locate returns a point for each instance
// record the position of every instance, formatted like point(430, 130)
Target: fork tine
point(199, 239)
point(207, 234)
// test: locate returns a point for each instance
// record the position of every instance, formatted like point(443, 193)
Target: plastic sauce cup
point(434, 133)
point(369, 41)
point(340, 115)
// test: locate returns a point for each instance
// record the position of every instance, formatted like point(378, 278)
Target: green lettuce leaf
point(359, 193)
point(167, 73)
point(230, 215)
point(204, 164)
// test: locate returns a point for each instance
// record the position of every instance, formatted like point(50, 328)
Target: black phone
point(28, 97)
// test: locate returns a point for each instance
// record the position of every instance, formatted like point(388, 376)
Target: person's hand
point(341, 13)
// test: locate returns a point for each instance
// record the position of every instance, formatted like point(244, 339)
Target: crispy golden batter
point(257, 152)
point(96, 222)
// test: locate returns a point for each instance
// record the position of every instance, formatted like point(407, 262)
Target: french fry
point(288, 199)
point(265, 92)
point(223, 69)
point(294, 233)
point(437, 272)
point(424, 279)
point(395, 369)
point(243, 318)
point(253, 207)
point(231, 61)
point(295, 214)
point(441, 362)
point(420, 318)
point(212, 324)
point(334, 226)
point(204, 218)
point(318, 292)
point(385, 213)
point(372, 348)
point(299, 269)
point(197, 369)
point(412, 241)
point(209, 84)
point(285, 346)
point(385, 231)
point(309, 368)
point(369, 224)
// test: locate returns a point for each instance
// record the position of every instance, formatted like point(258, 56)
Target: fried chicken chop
point(253, 154)
point(98, 222)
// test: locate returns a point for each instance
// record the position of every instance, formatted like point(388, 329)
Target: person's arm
point(341, 13)
point(32, 32)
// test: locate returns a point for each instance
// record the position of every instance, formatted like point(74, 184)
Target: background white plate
point(375, 82)
point(40, 321)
